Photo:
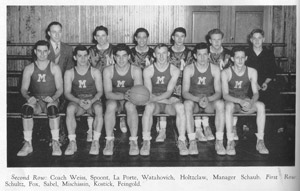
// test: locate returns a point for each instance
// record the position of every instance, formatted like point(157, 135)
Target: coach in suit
point(60, 53)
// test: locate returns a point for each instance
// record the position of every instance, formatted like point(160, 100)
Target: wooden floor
point(281, 147)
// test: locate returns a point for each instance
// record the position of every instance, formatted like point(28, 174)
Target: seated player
point(118, 79)
point(83, 88)
point(160, 78)
point(45, 81)
point(236, 81)
point(201, 89)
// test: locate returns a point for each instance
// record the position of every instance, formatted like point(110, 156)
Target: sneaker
point(123, 125)
point(182, 148)
point(193, 150)
point(261, 148)
point(56, 151)
point(89, 137)
point(208, 134)
point(200, 136)
point(220, 147)
point(230, 150)
point(26, 149)
point(235, 136)
point(134, 149)
point(109, 148)
point(161, 136)
point(72, 148)
point(145, 150)
point(94, 148)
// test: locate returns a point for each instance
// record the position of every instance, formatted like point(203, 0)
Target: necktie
point(57, 48)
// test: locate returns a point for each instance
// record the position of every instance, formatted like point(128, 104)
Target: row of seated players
point(203, 84)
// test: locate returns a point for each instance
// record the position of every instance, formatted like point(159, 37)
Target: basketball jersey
point(202, 83)
point(239, 85)
point(160, 80)
point(139, 58)
point(100, 56)
point(224, 55)
point(83, 86)
point(42, 81)
point(122, 83)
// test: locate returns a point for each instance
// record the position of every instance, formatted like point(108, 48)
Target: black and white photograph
point(127, 96)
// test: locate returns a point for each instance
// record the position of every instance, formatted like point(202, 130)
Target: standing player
point(236, 81)
point(60, 53)
point(83, 88)
point(201, 90)
point(160, 78)
point(101, 55)
point(118, 79)
point(45, 82)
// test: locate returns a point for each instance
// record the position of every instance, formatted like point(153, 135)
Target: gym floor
point(279, 139)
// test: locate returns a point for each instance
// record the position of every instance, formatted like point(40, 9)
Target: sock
point(72, 137)
point(90, 121)
point(198, 122)
point(133, 138)
point(205, 121)
point(109, 138)
point(55, 134)
point(234, 121)
point(192, 136)
point(219, 135)
point(146, 136)
point(182, 138)
point(96, 136)
point(28, 136)
point(163, 124)
point(230, 136)
point(260, 136)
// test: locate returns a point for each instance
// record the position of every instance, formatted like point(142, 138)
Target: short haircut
point(215, 31)
point(179, 29)
point(121, 47)
point(80, 48)
point(260, 31)
point(138, 31)
point(200, 46)
point(100, 28)
point(160, 45)
point(41, 43)
point(49, 26)
point(238, 49)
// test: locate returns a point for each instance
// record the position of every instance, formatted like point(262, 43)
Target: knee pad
point(52, 111)
point(27, 111)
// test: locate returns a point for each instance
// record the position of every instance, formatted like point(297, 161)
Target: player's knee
point(71, 109)
point(97, 109)
point(229, 106)
point(149, 109)
point(27, 111)
point(260, 106)
point(130, 107)
point(111, 105)
point(220, 105)
point(52, 111)
point(179, 108)
point(188, 105)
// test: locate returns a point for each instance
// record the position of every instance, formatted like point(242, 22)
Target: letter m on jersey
point(160, 80)
point(238, 84)
point(120, 83)
point(42, 78)
point(201, 80)
point(82, 83)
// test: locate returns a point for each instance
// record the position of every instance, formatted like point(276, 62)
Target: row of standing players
point(163, 98)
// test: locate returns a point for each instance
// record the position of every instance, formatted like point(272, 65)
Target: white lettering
point(42, 77)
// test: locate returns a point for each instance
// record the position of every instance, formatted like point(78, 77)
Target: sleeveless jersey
point(160, 80)
point(140, 58)
point(239, 85)
point(83, 86)
point(42, 81)
point(202, 83)
point(122, 83)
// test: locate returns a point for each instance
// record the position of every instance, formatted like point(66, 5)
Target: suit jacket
point(66, 57)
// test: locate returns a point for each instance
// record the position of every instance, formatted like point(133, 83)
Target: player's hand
point(48, 99)
point(182, 64)
point(221, 64)
point(246, 105)
point(264, 86)
point(203, 102)
point(32, 100)
point(127, 95)
point(147, 63)
point(258, 87)
point(87, 104)
point(82, 103)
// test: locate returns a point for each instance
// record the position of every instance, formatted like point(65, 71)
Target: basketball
point(139, 95)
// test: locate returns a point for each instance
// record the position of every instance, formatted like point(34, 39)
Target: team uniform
point(100, 58)
point(224, 55)
point(139, 58)
point(176, 58)
point(83, 87)
point(42, 84)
